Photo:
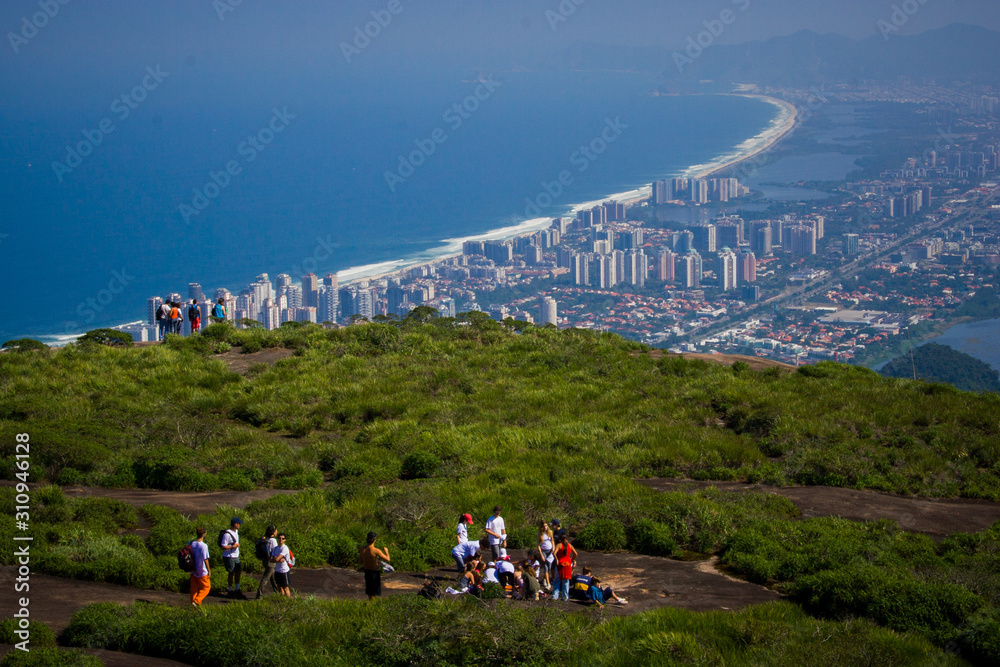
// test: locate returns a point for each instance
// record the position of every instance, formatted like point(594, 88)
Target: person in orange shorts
point(201, 576)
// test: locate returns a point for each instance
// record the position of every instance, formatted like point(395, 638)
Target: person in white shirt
point(282, 559)
point(505, 571)
point(462, 532)
point(201, 575)
point(463, 552)
point(497, 531)
point(230, 543)
point(490, 576)
point(271, 543)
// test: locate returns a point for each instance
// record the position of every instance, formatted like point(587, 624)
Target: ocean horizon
point(320, 195)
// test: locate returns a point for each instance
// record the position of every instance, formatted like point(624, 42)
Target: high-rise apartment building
point(665, 266)
point(726, 270)
point(705, 239)
point(746, 267)
point(310, 291)
point(852, 244)
point(803, 240)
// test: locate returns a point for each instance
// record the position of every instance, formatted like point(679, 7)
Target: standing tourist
point(163, 319)
point(462, 532)
point(370, 556)
point(219, 311)
point(201, 575)
point(497, 531)
point(283, 560)
point(194, 316)
point(270, 543)
point(565, 561)
point(229, 541)
point(545, 545)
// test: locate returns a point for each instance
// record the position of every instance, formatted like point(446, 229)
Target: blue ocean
point(310, 172)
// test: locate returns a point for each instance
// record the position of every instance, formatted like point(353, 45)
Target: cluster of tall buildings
point(697, 191)
point(910, 204)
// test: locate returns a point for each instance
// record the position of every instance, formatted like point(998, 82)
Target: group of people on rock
point(274, 555)
point(547, 569)
point(171, 314)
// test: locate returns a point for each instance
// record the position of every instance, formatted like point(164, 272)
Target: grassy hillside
point(484, 404)
point(402, 427)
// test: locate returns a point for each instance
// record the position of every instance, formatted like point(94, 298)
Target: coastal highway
point(972, 211)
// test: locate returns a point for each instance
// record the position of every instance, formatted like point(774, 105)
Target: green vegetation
point(401, 426)
point(412, 631)
point(479, 404)
point(948, 592)
point(940, 363)
point(50, 657)
point(24, 345)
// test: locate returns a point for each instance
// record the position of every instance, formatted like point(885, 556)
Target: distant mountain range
point(956, 53)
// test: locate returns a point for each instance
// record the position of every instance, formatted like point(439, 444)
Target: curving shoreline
point(448, 248)
point(780, 128)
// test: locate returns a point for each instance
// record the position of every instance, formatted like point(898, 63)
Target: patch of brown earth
point(755, 363)
point(191, 504)
point(931, 516)
point(241, 363)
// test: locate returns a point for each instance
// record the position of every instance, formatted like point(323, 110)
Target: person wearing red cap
point(462, 532)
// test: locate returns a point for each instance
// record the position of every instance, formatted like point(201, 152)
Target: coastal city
point(840, 278)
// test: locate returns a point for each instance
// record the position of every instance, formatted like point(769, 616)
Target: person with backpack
point(263, 549)
point(201, 573)
point(283, 560)
point(219, 311)
point(194, 316)
point(163, 319)
point(565, 560)
point(229, 541)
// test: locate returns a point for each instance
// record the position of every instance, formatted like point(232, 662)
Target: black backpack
point(431, 591)
point(260, 549)
point(222, 533)
point(185, 558)
point(193, 312)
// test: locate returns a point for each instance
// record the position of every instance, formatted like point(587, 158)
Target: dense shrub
point(651, 538)
point(894, 599)
point(50, 657)
point(602, 535)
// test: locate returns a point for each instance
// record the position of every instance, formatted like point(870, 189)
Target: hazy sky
point(114, 34)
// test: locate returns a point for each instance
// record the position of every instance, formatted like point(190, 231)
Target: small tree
point(247, 323)
point(422, 314)
point(108, 337)
point(24, 345)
